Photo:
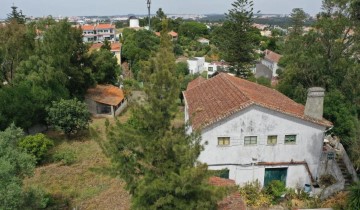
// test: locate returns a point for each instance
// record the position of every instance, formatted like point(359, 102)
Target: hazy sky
point(124, 7)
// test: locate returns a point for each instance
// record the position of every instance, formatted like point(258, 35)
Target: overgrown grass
point(84, 183)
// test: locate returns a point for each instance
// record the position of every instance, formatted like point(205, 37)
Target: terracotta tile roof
point(87, 27)
point(104, 26)
point(220, 182)
point(157, 34)
point(105, 94)
point(223, 95)
point(115, 46)
point(195, 82)
point(95, 46)
point(173, 34)
point(272, 56)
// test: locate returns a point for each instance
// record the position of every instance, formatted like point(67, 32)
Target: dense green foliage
point(137, 47)
point(237, 39)
point(326, 57)
point(354, 197)
point(37, 145)
point(157, 161)
point(70, 116)
point(104, 66)
point(15, 165)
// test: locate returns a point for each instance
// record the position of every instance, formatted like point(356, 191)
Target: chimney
point(314, 106)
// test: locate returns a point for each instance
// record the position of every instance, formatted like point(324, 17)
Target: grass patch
point(84, 184)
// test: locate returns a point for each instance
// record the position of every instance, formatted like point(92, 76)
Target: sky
point(67, 8)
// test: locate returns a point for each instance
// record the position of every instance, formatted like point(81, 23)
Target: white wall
point(134, 23)
point(261, 122)
point(271, 65)
point(196, 65)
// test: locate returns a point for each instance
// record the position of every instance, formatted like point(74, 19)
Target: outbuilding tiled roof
point(105, 94)
point(272, 56)
point(223, 95)
point(195, 82)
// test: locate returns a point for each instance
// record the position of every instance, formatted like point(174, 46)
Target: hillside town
point(181, 111)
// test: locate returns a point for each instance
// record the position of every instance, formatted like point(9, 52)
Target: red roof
point(220, 182)
point(115, 46)
point(195, 82)
point(105, 26)
point(173, 34)
point(87, 27)
point(105, 94)
point(272, 56)
point(223, 95)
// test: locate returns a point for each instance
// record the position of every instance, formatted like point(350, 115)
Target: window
point(210, 69)
point(272, 140)
point(290, 139)
point(250, 140)
point(223, 141)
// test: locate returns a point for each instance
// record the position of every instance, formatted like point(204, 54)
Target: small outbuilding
point(105, 100)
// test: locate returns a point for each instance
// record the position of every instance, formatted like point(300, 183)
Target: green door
point(275, 174)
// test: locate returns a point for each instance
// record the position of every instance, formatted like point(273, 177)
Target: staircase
point(347, 176)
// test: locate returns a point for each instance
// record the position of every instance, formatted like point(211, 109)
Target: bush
point(327, 180)
point(67, 157)
point(276, 189)
point(354, 197)
point(254, 196)
point(37, 145)
point(70, 116)
point(36, 198)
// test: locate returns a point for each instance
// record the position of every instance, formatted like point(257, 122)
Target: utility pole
point(148, 6)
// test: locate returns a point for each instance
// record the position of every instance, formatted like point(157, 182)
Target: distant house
point(196, 65)
point(204, 41)
point(271, 60)
point(105, 100)
point(174, 36)
point(215, 66)
point(98, 32)
point(263, 71)
point(256, 133)
point(115, 49)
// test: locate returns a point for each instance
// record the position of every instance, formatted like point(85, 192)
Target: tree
point(237, 39)
point(298, 17)
point(15, 165)
point(16, 44)
point(327, 57)
point(105, 68)
point(160, 14)
point(65, 51)
point(70, 116)
point(16, 16)
point(193, 29)
point(354, 197)
point(158, 162)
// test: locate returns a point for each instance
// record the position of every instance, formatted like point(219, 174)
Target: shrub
point(276, 189)
point(67, 157)
point(327, 180)
point(254, 196)
point(37, 145)
point(70, 116)
point(36, 198)
point(354, 197)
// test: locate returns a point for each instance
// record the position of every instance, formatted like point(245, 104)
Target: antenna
point(148, 6)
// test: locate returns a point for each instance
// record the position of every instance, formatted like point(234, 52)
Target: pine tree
point(237, 39)
point(157, 161)
point(16, 16)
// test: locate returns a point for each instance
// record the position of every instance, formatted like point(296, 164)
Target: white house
point(271, 60)
point(196, 65)
point(254, 132)
point(204, 41)
point(98, 32)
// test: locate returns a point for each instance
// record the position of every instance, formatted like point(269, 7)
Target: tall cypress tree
point(157, 161)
